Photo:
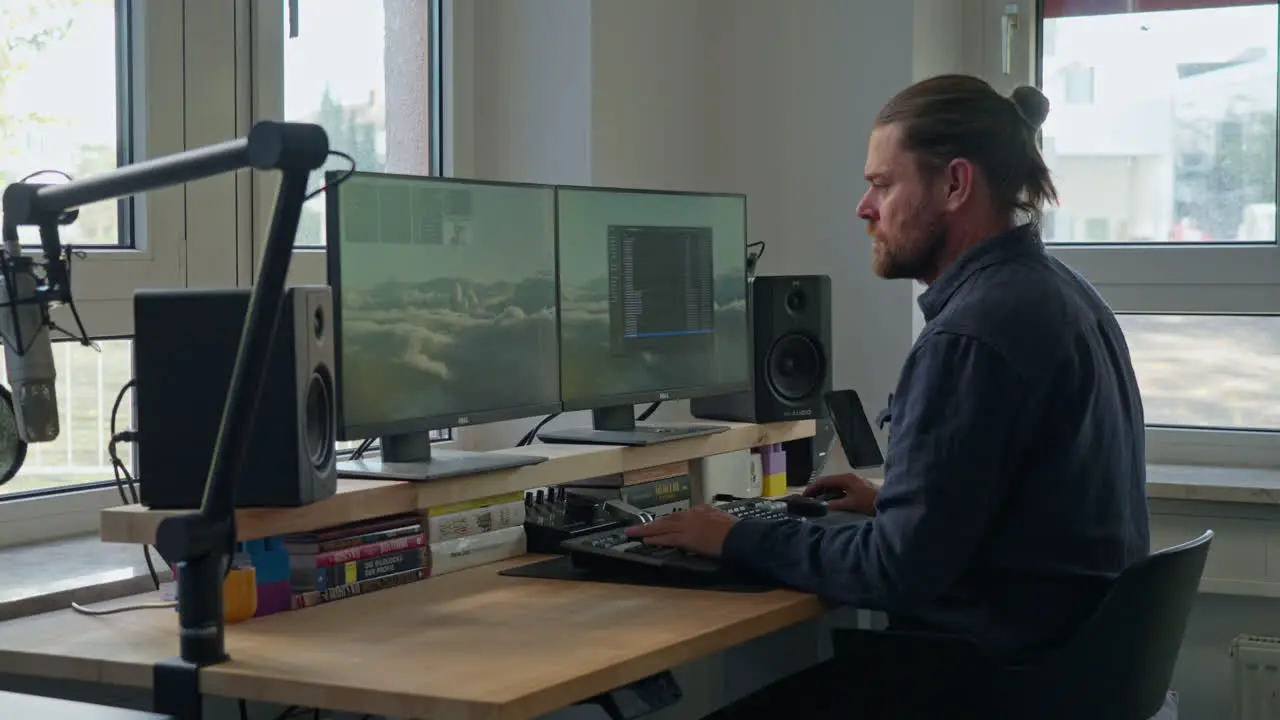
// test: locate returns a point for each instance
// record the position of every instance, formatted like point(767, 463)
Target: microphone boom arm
point(201, 542)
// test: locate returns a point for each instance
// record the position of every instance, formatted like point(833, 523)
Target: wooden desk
point(470, 645)
point(364, 499)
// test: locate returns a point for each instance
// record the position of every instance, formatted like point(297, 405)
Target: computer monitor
point(445, 303)
point(653, 306)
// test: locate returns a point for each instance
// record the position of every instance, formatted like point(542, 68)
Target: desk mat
point(562, 568)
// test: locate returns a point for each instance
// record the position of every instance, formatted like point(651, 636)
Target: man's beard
point(912, 260)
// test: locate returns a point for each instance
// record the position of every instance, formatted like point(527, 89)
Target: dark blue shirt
point(1016, 468)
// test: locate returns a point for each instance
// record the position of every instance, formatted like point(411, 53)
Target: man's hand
point(859, 493)
point(701, 530)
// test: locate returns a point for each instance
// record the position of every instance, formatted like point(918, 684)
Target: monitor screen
point(446, 298)
point(653, 296)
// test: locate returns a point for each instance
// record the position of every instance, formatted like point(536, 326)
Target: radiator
point(1256, 672)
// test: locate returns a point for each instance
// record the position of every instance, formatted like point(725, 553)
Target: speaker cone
point(319, 434)
point(794, 367)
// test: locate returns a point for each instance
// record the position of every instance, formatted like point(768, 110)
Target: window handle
point(1008, 26)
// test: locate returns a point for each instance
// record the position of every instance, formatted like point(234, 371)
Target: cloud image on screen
point(652, 293)
point(447, 297)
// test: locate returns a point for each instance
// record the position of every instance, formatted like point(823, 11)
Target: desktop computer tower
point(791, 355)
point(185, 345)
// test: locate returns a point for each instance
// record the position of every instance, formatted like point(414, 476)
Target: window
point(378, 99)
point(1096, 230)
point(368, 72)
point(87, 386)
point(1078, 85)
point(1167, 181)
point(74, 98)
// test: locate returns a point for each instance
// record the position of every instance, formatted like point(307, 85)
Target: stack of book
point(357, 558)
point(468, 534)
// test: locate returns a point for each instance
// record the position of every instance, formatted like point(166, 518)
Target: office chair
point(1117, 667)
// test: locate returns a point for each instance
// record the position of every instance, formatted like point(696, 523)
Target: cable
point(361, 449)
point(754, 258)
point(244, 709)
point(338, 180)
point(167, 605)
point(532, 435)
point(121, 471)
point(649, 411)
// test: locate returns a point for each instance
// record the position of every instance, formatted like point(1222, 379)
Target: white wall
point(723, 95)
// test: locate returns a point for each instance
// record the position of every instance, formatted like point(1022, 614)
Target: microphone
point(28, 351)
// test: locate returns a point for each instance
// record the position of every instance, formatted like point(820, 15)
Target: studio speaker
point(184, 348)
point(790, 348)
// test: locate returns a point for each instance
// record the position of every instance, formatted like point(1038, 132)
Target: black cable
point(244, 710)
point(68, 216)
point(362, 448)
point(532, 435)
point(121, 471)
point(338, 180)
point(754, 258)
point(649, 411)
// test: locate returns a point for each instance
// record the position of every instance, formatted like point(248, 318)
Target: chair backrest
point(1121, 662)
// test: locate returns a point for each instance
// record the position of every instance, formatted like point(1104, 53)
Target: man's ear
point(959, 175)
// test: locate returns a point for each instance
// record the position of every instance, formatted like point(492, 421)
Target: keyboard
point(611, 552)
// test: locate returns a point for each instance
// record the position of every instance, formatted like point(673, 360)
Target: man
point(1015, 473)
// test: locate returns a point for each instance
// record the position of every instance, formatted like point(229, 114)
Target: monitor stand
point(616, 425)
point(411, 457)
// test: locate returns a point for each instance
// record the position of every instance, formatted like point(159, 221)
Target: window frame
point(1217, 278)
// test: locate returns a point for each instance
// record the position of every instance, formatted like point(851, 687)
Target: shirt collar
point(1016, 242)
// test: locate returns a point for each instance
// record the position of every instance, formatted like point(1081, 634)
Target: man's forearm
point(827, 561)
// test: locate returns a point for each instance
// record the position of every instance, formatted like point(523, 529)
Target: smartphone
point(861, 448)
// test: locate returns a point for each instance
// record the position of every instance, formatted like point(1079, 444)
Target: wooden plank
point(364, 499)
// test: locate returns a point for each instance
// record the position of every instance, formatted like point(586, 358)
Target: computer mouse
point(828, 495)
point(805, 506)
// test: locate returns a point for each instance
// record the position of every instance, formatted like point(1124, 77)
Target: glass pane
point(58, 101)
point(1218, 371)
point(361, 69)
point(88, 382)
point(1163, 127)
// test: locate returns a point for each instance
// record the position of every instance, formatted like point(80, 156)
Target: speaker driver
point(319, 431)
point(795, 367)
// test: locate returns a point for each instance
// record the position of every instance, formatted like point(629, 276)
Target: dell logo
point(664, 396)
point(464, 420)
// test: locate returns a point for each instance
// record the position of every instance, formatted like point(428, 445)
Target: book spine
point(475, 550)
point(475, 521)
point(316, 597)
point(366, 569)
point(476, 504)
point(359, 552)
point(341, 532)
point(306, 548)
